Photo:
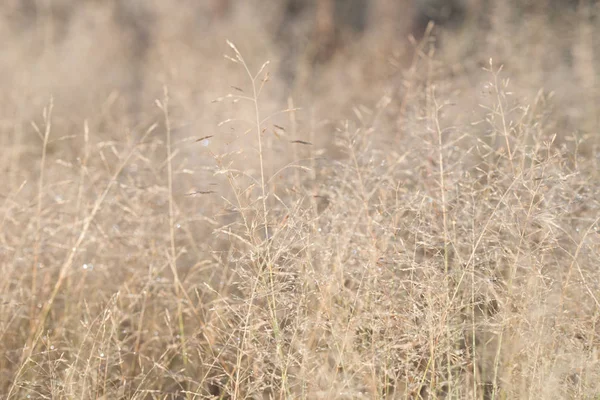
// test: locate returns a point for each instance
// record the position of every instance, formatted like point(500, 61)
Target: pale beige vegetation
point(400, 223)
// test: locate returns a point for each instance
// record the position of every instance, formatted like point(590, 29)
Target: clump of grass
point(432, 258)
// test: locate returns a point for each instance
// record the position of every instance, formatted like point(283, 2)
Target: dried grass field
point(402, 218)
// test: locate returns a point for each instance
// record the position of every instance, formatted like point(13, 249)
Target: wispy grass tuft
point(421, 229)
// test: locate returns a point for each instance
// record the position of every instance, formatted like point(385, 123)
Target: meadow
point(413, 219)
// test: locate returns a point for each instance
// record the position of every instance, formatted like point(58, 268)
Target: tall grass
point(433, 233)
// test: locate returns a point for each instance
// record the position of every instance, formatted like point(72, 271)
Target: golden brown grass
point(401, 227)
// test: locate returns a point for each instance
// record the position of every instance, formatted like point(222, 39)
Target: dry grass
point(402, 227)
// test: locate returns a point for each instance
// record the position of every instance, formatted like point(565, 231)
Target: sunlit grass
point(426, 227)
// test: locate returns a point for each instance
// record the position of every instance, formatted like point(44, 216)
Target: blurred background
point(115, 55)
point(109, 60)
